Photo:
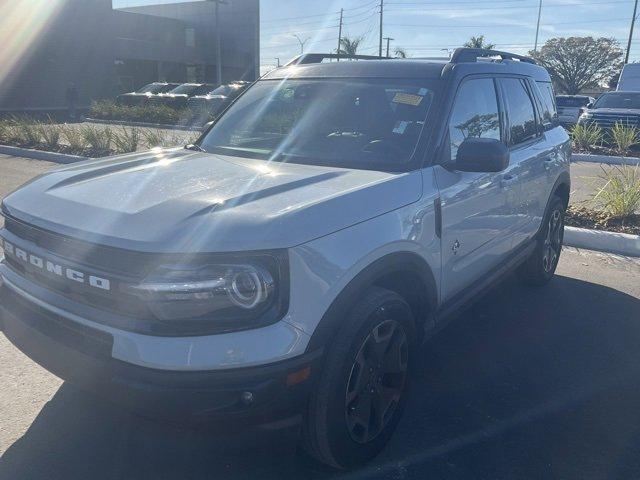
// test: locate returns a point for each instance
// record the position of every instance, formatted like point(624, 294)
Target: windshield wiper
point(193, 146)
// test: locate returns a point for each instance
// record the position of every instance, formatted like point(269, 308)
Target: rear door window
point(520, 111)
point(475, 113)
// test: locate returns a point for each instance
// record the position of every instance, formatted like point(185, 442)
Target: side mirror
point(482, 155)
point(589, 105)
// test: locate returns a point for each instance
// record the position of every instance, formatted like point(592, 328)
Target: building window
point(190, 37)
point(192, 73)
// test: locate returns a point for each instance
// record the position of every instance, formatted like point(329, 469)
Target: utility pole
point(340, 34)
point(535, 48)
point(301, 42)
point(388, 39)
point(381, 15)
point(218, 40)
point(633, 22)
point(278, 61)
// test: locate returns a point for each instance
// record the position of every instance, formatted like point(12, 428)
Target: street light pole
point(633, 22)
point(218, 40)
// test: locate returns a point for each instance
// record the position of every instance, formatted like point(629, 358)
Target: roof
point(464, 60)
point(385, 68)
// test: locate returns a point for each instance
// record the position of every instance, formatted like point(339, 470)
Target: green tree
point(478, 42)
point(576, 63)
point(349, 46)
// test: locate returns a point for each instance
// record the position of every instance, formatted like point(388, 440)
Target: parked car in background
point(629, 80)
point(142, 95)
point(611, 108)
point(177, 98)
point(205, 107)
point(570, 107)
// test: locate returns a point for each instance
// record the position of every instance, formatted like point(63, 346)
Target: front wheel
point(541, 266)
point(359, 398)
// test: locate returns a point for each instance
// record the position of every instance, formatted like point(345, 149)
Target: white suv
point(291, 263)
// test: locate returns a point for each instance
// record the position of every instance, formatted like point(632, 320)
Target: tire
point(333, 432)
point(541, 265)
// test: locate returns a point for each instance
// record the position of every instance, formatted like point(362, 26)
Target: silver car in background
point(570, 107)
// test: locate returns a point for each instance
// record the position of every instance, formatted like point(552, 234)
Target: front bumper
point(265, 395)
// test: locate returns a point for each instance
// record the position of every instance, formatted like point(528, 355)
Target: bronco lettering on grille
point(48, 266)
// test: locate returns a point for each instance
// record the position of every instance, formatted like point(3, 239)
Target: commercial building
point(104, 51)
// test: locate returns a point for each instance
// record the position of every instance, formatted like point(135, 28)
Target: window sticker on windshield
point(400, 127)
point(422, 92)
point(407, 99)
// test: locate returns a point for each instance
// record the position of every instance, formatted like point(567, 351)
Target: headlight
point(217, 295)
point(586, 116)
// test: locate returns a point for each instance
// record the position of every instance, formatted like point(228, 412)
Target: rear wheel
point(360, 396)
point(541, 266)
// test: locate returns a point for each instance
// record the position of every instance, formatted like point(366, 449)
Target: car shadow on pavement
point(528, 383)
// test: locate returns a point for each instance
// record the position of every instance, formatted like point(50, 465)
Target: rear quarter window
point(549, 111)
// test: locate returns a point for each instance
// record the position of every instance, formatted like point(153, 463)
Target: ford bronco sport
point(289, 265)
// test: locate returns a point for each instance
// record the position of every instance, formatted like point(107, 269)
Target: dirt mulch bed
point(586, 218)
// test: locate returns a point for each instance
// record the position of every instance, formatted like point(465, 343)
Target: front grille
point(607, 121)
point(117, 266)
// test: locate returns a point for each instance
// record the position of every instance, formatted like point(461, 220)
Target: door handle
point(548, 162)
point(508, 180)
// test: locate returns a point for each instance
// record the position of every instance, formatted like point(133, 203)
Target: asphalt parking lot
point(528, 383)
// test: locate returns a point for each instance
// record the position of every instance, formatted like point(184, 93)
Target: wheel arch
point(405, 273)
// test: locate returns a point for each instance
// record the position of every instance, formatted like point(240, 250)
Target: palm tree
point(349, 46)
point(478, 42)
point(400, 52)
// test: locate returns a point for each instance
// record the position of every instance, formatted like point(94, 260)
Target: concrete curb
point(41, 155)
point(611, 242)
point(607, 159)
point(162, 126)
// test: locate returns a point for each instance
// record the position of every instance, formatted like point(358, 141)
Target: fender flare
point(564, 179)
point(392, 263)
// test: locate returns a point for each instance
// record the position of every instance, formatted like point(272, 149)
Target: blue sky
point(426, 27)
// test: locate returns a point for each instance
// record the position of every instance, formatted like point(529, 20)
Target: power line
point(499, 24)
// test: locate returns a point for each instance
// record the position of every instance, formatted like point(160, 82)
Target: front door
point(475, 213)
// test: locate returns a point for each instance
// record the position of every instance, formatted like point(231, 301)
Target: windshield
point(221, 90)
point(153, 88)
point(186, 89)
point(572, 101)
point(629, 100)
point(366, 123)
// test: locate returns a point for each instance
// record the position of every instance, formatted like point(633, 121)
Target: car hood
point(184, 201)
point(615, 111)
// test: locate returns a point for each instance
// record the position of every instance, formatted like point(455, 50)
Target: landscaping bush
point(126, 139)
point(51, 135)
point(25, 131)
point(623, 137)
point(99, 139)
point(620, 195)
point(586, 136)
point(74, 138)
point(108, 110)
point(154, 138)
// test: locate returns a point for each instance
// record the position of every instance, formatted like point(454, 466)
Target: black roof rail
point(466, 55)
point(306, 58)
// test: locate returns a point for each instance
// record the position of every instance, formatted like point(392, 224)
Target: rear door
point(528, 150)
point(474, 214)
